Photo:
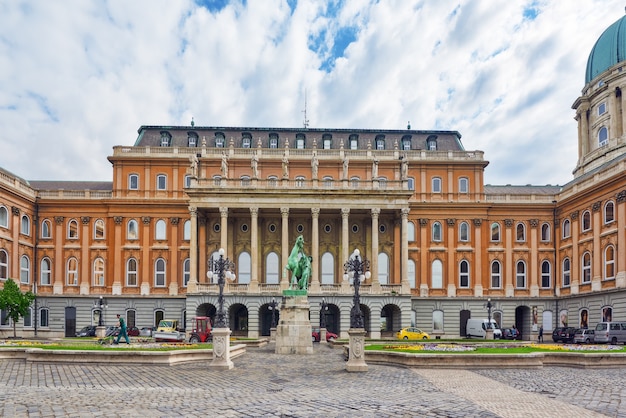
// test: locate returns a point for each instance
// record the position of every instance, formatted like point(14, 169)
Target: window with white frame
point(271, 268)
point(383, 268)
point(246, 140)
point(132, 230)
point(161, 182)
point(98, 229)
point(327, 141)
point(436, 232)
point(520, 232)
point(301, 141)
point(586, 270)
point(520, 275)
point(24, 269)
point(71, 272)
point(133, 182)
point(300, 181)
point(328, 268)
point(186, 272)
point(220, 140)
point(44, 316)
point(411, 274)
point(436, 184)
point(192, 140)
point(410, 231)
point(45, 273)
point(609, 212)
point(46, 229)
point(609, 262)
point(4, 265)
point(464, 274)
point(566, 229)
point(380, 142)
point(187, 230)
point(495, 232)
point(187, 181)
point(25, 225)
point(159, 273)
point(463, 185)
point(98, 272)
point(586, 221)
point(72, 229)
point(273, 142)
point(545, 232)
point(159, 230)
point(410, 183)
point(603, 136)
point(406, 142)
point(131, 272)
point(244, 268)
point(353, 140)
point(464, 232)
point(438, 321)
point(566, 272)
point(166, 139)
point(496, 275)
point(546, 274)
point(601, 108)
point(437, 274)
point(4, 217)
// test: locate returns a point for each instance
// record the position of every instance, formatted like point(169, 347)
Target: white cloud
point(78, 79)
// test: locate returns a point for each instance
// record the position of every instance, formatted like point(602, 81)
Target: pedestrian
point(122, 332)
point(540, 338)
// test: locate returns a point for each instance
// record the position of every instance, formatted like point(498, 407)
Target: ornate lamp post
point(220, 269)
point(273, 307)
point(100, 304)
point(489, 310)
point(489, 330)
point(358, 270)
point(323, 310)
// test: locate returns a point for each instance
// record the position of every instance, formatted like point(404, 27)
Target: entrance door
point(70, 321)
point(464, 315)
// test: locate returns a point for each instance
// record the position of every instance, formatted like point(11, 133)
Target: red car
point(330, 336)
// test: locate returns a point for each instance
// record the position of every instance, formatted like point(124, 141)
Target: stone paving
point(264, 384)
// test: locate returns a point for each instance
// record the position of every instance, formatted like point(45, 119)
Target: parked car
point(146, 331)
point(111, 331)
point(563, 334)
point(315, 335)
point(412, 333)
point(88, 331)
point(132, 331)
point(583, 335)
point(511, 334)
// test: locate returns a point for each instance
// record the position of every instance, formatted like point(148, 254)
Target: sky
point(80, 77)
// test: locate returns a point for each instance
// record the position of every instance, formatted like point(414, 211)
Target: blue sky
point(78, 78)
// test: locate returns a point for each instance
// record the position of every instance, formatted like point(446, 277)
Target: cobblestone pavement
point(264, 384)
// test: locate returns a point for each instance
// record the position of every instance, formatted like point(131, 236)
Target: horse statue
point(300, 265)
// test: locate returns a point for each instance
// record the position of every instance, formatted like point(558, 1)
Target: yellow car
point(412, 333)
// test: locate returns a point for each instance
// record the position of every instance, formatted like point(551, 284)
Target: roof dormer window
point(166, 139)
point(220, 140)
point(192, 139)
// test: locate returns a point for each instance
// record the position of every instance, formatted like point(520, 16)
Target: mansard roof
point(71, 185)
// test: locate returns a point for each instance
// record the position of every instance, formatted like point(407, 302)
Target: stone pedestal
point(221, 349)
point(101, 331)
point(272, 334)
point(323, 336)
point(356, 359)
point(489, 334)
point(293, 333)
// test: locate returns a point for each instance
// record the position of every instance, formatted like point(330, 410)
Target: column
point(173, 264)
point(59, 262)
point(85, 264)
point(509, 266)
point(534, 269)
point(478, 262)
point(597, 265)
point(374, 257)
point(315, 249)
point(254, 249)
point(620, 256)
point(575, 264)
point(203, 257)
point(146, 264)
point(192, 286)
point(451, 275)
point(224, 229)
point(284, 280)
point(345, 238)
point(585, 130)
point(404, 251)
point(422, 277)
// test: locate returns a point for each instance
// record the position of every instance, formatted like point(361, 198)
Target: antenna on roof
point(306, 121)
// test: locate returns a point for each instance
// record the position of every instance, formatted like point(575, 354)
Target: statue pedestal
point(101, 331)
point(489, 334)
point(323, 336)
point(293, 333)
point(356, 359)
point(221, 349)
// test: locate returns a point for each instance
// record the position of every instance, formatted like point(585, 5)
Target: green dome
point(609, 49)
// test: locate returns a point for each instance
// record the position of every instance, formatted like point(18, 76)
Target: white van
point(610, 332)
point(478, 328)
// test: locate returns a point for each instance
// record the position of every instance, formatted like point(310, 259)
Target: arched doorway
point(389, 320)
point(265, 315)
point(70, 321)
point(238, 315)
point(464, 315)
point(522, 321)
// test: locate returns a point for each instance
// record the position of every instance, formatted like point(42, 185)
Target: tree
point(14, 302)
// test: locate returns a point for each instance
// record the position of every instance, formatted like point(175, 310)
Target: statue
point(300, 265)
point(345, 168)
point(285, 166)
point(224, 165)
point(255, 165)
point(314, 165)
point(375, 169)
point(193, 158)
point(404, 167)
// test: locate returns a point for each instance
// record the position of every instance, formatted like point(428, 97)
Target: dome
point(609, 49)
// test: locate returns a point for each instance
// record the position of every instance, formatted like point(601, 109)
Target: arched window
point(43, 317)
point(410, 226)
point(45, 273)
point(545, 232)
point(71, 272)
point(520, 232)
point(411, 273)
point(520, 275)
point(566, 273)
point(609, 262)
point(436, 232)
point(25, 225)
point(98, 272)
point(187, 181)
point(406, 142)
point(46, 229)
point(192, 139)
point(464, 274)
point(353, 140)
point(187, 230)
point(438, 321)
point(380, 142)
point(328, 268)
point(431, 143)
point(246, 140)
point(72, 229)
point(273, 140)
point(4, 217)
point(186, 272)
point(161, 182)
point(463, 185)
point(383, 268)
point(495, 232)
point(271, 268)
point(244, 268)
point(132, 231)
point(463, 231)
point(603, 136)
point(159, 272)
point(159, 229)
point(98, 229)
point(437, 274)
point(301, 142)
point(300, 181)
point(496, 275)
point(410, 183)
point(566, 229)
point(609, 212)
point(25, 270)
point(220, 140)
point(586, 270)
point(436, 184)
point(4, 265)
point(131, 272)
point(133, 182)
point(586, 223)
point(546, 274)
point(166, 139)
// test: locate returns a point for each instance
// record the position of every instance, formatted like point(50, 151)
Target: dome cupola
point(609, 50)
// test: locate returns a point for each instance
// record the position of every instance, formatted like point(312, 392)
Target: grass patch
point(95, 345)
point(492, 348)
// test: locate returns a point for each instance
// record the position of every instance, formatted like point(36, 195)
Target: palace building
point(440, 243)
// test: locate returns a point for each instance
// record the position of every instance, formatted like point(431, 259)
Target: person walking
point(540, 337)
point(122, 332)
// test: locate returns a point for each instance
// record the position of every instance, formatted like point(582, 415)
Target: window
point(383, 268)
point(46, 229)
point(406, 142)
point(545, 274)
point(495, 232)
point(25, 225)
point(609, 263)
point(354, 182)
point(133, 182)
point(4, 217)
point(192, 139)
point(187, 181)
point(566, 274)
point(603, 137)
point(159, 229)
point(246, 140)
point(328, 182)
point(72, 229)
point(131, 272)
point(271, 268)
point(438, 321)
point(586, 271)
point(45, 273)
point(271, 181)
point(520, 275)
point(28, 318)
point(586, 224)
point(431, 143)
point(437, 274)
point(25, 270)
point(353, 140)
point(520, 232)
point(187, 272)
point(545, 232)
point(98, 272)
point(410, 233)
point(566, 228)
point(4, 318)
point(98, 229)
point(161, 182)
point(4, 265)
point(244, 267)
point(464, 274)
point(463, 185)
point(436, 184)
point(411, 273)
point(166, 139)
point(436, 232)
point(301, 142)
point(220, 140)
point(273, 141)
point(132, 231)
point(245, 181)
point(328, 268)
point(463, 231)
point(187, 230)
point(380, 142)
point(496, 275)
point(609, 212)
point(601, 108)
point(411, 183)
point(327, 141)
point(300, 181)
point(71, 272)
point(43, 318)
point(159, 273)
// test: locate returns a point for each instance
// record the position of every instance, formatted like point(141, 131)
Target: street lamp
point(323, 309)
point(221, 268)
point(100, 304)
point(489, 311)
point(273, 307)
point(356, 269)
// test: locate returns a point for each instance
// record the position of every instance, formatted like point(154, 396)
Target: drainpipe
point(556, 264)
